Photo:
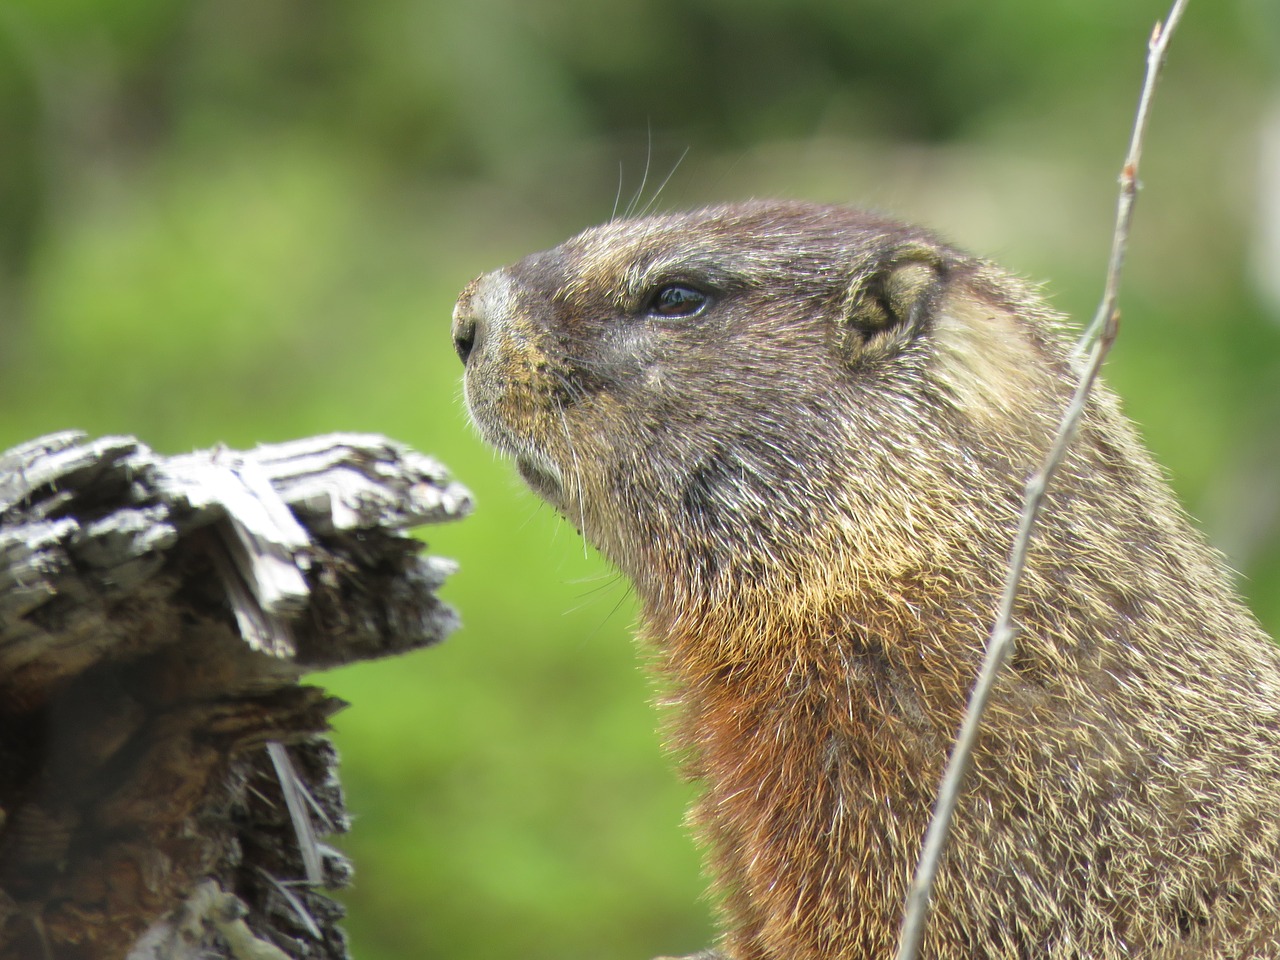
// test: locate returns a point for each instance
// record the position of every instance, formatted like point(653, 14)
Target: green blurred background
point(246, 220)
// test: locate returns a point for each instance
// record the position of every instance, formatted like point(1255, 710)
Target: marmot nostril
point(466, 332)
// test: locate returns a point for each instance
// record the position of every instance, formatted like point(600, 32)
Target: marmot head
point(702, 392)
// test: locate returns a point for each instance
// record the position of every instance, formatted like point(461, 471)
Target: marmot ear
point(886, 303)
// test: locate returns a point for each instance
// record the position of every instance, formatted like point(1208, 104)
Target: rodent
point(803, 432)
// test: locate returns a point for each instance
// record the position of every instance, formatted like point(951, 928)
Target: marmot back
point(803, 432)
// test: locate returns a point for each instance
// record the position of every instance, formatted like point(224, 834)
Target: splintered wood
point(163, 775)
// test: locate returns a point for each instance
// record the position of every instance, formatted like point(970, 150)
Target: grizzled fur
point(813, 478)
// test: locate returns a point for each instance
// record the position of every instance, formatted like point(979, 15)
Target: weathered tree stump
point(163, 775)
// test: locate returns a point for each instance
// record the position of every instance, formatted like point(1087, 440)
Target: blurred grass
point(240, 222)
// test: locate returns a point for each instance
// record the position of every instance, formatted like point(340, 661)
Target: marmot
point(804, 432)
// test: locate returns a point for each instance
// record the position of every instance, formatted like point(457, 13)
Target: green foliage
point(238, 222)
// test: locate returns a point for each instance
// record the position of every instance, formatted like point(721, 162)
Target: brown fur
point(814, 486)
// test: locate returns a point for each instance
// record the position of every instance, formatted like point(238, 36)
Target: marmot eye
point(676, 300)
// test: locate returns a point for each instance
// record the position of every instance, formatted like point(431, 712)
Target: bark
point(163, 774)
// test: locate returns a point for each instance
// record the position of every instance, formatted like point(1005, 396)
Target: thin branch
point(1102, 333)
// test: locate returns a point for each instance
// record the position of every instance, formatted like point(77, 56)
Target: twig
point(1102, 333)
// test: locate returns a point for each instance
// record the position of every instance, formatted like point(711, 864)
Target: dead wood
point(163, 774)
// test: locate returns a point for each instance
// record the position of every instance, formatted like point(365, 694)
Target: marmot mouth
point(542, 476)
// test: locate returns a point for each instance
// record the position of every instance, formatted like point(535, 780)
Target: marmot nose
point(466, 335)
